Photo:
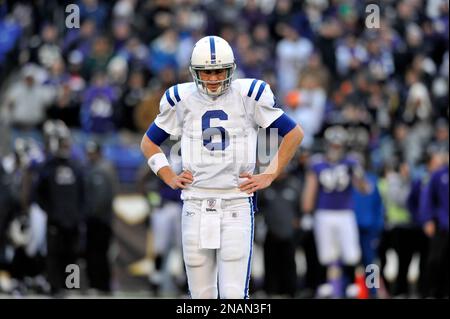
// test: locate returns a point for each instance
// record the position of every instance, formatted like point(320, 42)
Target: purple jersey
point(98, 110)
point(335, 183)
point(169, 194)
point(36, 156)
point(434, 204)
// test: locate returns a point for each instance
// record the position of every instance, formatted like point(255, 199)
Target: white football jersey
point(218, 135)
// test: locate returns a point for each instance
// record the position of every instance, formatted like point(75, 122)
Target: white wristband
point(157, 161)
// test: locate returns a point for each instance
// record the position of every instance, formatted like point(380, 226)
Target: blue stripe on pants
point(246, 295)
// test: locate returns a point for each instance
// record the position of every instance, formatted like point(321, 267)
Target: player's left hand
point(255, 182)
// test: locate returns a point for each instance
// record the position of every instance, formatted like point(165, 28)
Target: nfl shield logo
point(211, 203)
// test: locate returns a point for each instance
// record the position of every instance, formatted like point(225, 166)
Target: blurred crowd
point(100, 84)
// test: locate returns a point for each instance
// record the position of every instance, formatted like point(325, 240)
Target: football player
point(218, 119)
point(328, 192)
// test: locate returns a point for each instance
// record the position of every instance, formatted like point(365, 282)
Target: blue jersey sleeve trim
point(175, 89)
point(284, 124)
point(156, 134)
point(169, 99)
point(260, 91)
point(252, 87)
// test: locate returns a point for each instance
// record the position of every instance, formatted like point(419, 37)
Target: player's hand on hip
point(181, 180)
point(255, 182)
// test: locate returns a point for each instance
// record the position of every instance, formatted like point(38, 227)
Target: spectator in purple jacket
point(98, 108)
point(419, 241)
point(434, 213)
point(80, 39)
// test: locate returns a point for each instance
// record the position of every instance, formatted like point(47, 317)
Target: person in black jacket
point(60, 193)
point(100, 188)
point(279, 205)
point(6, 214)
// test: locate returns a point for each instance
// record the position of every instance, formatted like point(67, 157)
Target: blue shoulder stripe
point(252, 87)
point(260, 91)
point(175, 89)
point(169, 99)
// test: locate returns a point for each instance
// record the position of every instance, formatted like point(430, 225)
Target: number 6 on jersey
point(208, 132)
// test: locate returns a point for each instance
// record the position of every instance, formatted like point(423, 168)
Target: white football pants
point(217, 237)
point(166, 227)
point(337, 238)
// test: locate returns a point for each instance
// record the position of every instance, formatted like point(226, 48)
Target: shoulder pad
point(178, 92)
point(251, 88)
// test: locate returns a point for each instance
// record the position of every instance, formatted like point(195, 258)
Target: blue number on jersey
point(209, 132)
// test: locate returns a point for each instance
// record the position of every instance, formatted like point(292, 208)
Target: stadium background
point(387, 86)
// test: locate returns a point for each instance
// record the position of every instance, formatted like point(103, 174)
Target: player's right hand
point(181, 180)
